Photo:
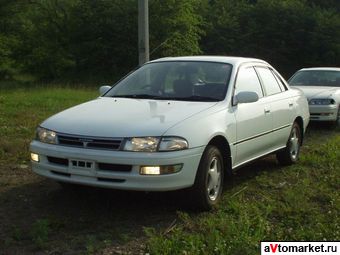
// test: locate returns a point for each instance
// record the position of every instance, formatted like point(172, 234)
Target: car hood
point(318, 92)
point(123, 117)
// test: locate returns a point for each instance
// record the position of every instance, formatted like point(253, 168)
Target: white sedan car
point(175, 123)
point(322, 88)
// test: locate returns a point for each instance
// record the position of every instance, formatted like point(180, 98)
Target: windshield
point(176, 80)
point(316, 78)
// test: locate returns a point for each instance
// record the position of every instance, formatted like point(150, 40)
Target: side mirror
point(246, 97)
point(104, 89)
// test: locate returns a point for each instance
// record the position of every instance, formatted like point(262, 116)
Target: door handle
point(266, 110)
point(291, 104)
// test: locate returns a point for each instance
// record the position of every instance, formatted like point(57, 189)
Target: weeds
point(40, 232)
point(17, 234)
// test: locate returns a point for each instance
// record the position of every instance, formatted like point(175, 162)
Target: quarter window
point(247, 80)
point(269, 82)
point(279, 80)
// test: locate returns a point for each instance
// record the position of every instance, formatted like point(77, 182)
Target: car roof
point(220, 59)
point(321, 69)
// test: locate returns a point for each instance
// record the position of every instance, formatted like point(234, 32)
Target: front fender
point(200, 129)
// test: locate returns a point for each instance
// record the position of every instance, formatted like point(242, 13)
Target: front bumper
point(57, 162)
point(324, 112)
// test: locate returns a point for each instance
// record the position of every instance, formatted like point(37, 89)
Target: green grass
point(263, 201)
point(40, 231)
point(21, 110)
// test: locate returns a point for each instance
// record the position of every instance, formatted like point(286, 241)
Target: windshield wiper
point(190, 98)
point(196, 98)
point(138, 96)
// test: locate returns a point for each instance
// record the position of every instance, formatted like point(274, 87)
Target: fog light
point(159, 170)
point(151, 170)
point(34, 157)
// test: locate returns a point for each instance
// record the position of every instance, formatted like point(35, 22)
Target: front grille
point(89, 142)
point(70, 141)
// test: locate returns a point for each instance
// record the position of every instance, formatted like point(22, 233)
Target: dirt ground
point(77, 217)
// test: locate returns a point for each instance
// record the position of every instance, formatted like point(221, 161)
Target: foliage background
point(96, 40)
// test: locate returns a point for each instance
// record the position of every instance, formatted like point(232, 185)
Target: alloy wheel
point(294, 143)
point(214, 179)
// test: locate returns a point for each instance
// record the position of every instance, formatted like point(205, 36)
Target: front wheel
point(208, 186)
point(290, 154)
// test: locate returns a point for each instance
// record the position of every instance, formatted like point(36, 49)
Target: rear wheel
point(208, 186)
point(290, 154)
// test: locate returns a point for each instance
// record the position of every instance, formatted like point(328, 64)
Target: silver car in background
point(322, 88)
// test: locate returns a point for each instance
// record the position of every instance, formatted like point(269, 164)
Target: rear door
point(281, 105)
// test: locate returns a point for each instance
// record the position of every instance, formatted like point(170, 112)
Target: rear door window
point(270, 83)
point(280, 81)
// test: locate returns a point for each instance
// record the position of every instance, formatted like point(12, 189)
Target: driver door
point(253, 120)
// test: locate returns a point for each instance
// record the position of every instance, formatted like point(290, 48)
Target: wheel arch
point(222, 144)
point(299, 121)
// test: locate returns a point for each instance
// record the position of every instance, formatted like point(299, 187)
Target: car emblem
point(85, 141)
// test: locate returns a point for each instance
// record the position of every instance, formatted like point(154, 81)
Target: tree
point(97, 39)
point(8, 38)
point(290, 34)
point(176, 27)
point(71, 38)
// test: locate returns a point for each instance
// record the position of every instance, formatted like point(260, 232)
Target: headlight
point(173, 144)
point(46, 136)
point(321, 101)
point(147, 144)
point(152, 144)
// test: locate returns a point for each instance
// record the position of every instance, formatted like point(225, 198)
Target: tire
point(337, 122)
point(290, 154)
point(208, 187)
